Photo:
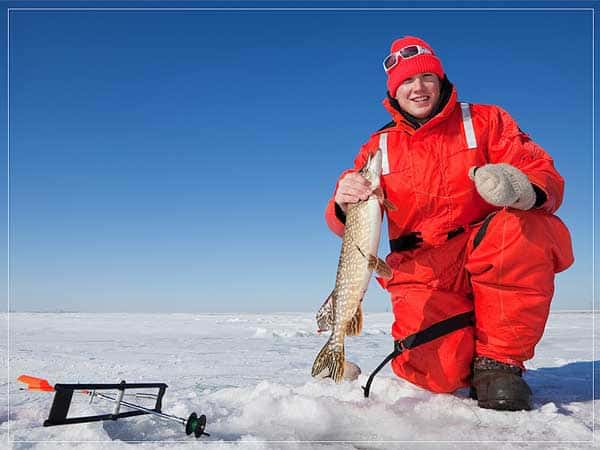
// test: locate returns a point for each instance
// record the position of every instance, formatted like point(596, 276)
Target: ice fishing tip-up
point(64, 392)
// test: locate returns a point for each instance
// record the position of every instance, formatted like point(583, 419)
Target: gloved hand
point(503, 185)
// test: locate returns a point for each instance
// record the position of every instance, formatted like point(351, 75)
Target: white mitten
point(503, 185)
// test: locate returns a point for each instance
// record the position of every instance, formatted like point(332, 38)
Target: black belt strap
point(421, 337)
point(407, 242)
point(482, 230)
point(414, 240)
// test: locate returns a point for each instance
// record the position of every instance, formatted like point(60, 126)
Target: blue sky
point(181, 160)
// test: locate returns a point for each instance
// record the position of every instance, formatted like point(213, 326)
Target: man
point(474, 242)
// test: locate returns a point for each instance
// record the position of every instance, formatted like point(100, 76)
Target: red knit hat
point(407, 68)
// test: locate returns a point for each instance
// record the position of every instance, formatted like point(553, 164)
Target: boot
point(499, 386)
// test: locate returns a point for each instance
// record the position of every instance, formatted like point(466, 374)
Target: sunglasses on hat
point(407, 52)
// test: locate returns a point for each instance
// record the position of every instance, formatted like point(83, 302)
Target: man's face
point(418, 95)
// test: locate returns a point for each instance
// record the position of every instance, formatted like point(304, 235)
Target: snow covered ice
point(250, 375)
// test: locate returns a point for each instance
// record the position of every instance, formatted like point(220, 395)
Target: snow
point(250, 375)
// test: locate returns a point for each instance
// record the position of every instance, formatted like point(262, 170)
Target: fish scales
point(353, 273)
point(341, 311)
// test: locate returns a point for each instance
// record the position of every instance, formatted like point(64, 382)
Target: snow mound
point(261, 332)
point(290, 334)
point(375, 331)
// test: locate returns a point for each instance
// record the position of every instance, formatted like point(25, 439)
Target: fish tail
point(330, 362)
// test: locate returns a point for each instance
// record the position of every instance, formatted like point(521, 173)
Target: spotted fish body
point(342, 312)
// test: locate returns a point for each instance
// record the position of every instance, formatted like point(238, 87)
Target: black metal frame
point(64, 394)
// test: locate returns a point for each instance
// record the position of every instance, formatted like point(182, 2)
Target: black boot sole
point(504, 405)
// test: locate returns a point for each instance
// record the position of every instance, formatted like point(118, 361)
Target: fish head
point(372, 168)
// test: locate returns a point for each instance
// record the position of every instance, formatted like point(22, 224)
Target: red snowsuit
point(507, 277)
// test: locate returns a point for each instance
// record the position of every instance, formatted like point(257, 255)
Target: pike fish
point(341, 312)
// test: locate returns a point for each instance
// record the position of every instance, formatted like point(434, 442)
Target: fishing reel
point(196, 425)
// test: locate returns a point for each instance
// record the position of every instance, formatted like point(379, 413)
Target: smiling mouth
point(421, 99)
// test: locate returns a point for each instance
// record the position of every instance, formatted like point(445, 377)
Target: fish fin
point(325, 314)
point(354, 327)
point(381, 267)
point(329, 363)
point(378, 192)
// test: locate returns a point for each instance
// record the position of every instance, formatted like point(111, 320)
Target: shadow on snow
point(566, 384)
